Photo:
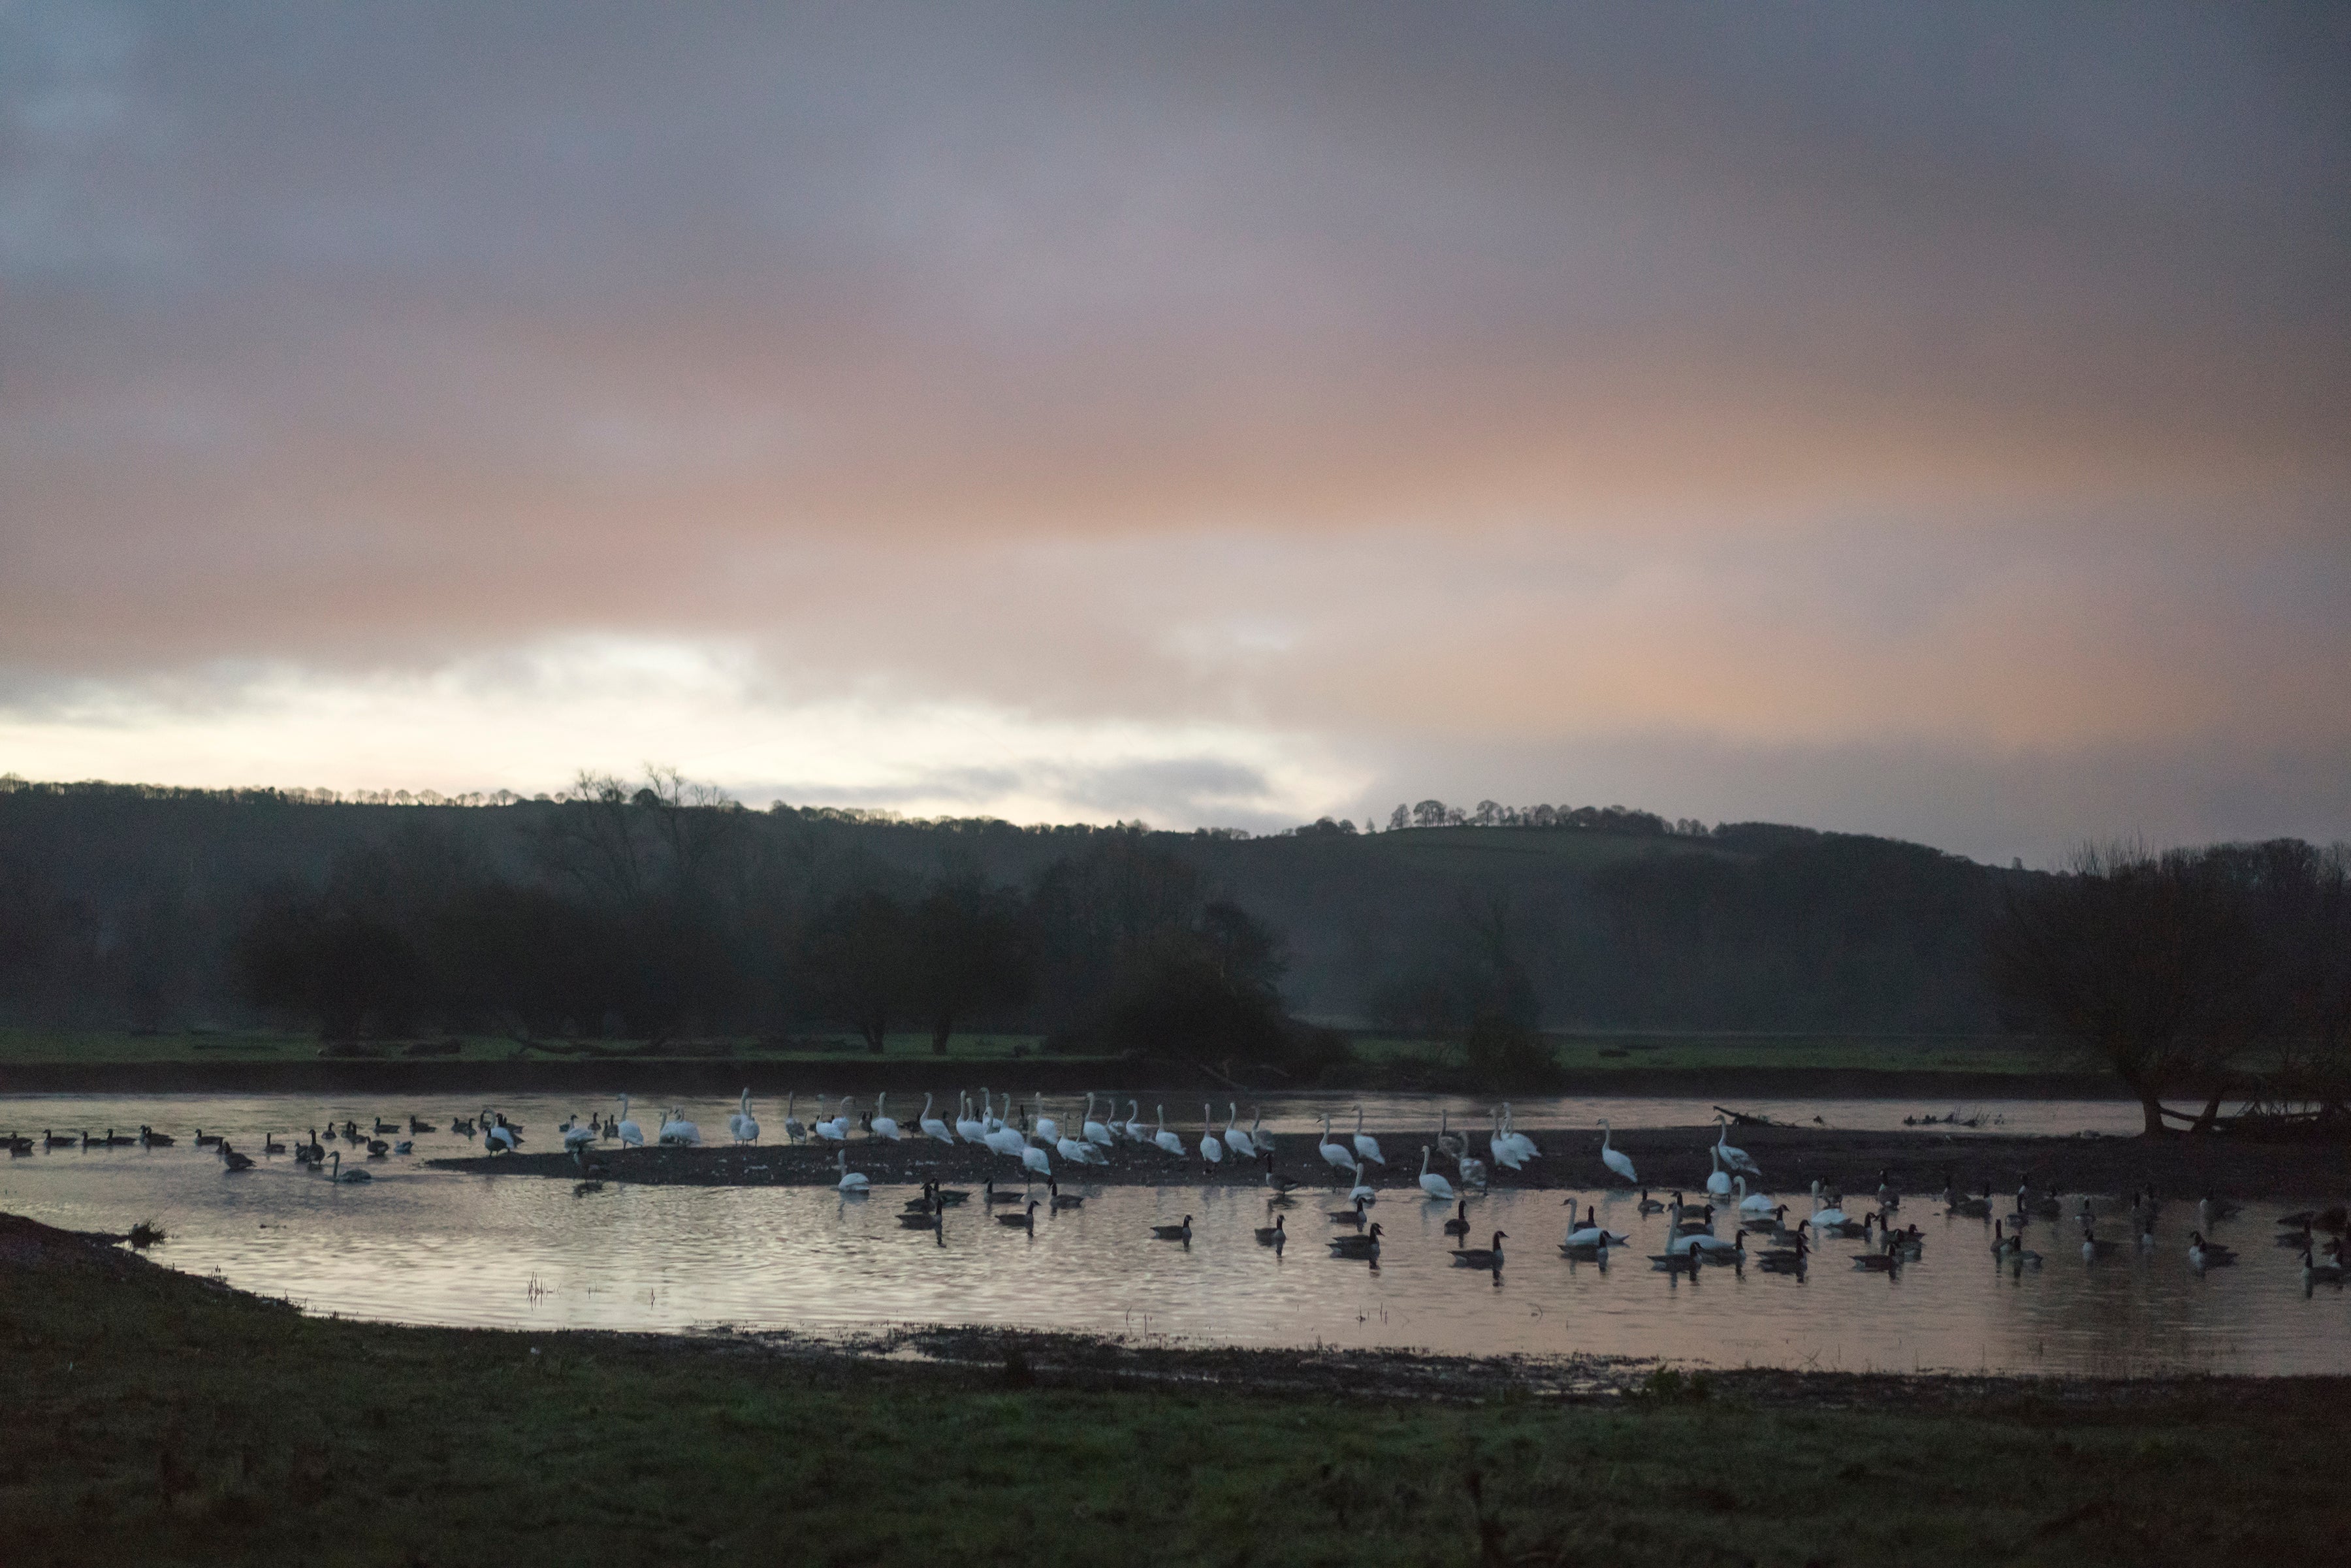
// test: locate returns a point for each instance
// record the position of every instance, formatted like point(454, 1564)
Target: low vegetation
point(158, 1418)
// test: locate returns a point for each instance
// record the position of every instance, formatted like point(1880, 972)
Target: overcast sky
point(1933, 422)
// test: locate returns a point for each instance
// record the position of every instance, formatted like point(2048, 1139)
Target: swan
point(1212, 1153)
point(795, 1130)
point(1165, 1139)
point(1449, 1143)
point(1235, 1139)
point(1048, 1130)
point(1258, 1136)
point(835, 1131)
point(341, 1175)
point(1615, 1159)
point(1035, 1158)
point(579, 1137)
point(1133, 1126)
point(632, 1136)
point(501, 1137)
point(1481, 1257)
point(748, 1129)
point(884, 1125)
point(1094, 1131)
point(1718, 1181)
point(1518, 1141)
point(1366, 1146)
point(1736, 1159)
point(1173, 1232)
point(1006, 1141)
point(932, 1126)
point(1753, 1205)
point(971, 1129)
point(851, 1182)
point(2314, 1273)
point(1335, 1154)
point(734, 1119)
point(676, 1131)
point(1435, 1185)
point(987, 1116)
point(1363, 1191)
point(1590, 1234)
point(1078, 1154)
point(1497, 1144)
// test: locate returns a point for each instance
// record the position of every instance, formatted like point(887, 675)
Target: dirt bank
point(1915, 1162)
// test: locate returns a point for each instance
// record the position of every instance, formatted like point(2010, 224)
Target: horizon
point(1919, 425)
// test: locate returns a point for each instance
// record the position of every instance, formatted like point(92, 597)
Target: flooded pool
point(428, 1247)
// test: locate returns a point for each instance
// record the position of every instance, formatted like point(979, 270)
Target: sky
point(1924, 421)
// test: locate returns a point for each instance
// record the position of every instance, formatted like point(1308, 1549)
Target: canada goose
point(1715, 1250)
point(1772, 1222)
point(1615, 1159)
point(1273, 1235)
point(1364, 1245)
point(203, 1140)
point(1650, 1205)
point(382, 1127)
point(18, 1144)
point(233, 1160)
point(1026, 1219)
point(270, 1145)
point(417, 1124)
point(1351, 1215)
point(1055, 1198)
point(55, 1140)
point(1876, 1262)
point(989, 1195)
point(1783, 1261)
point(2203, 1254)
point(2314, 1273)
point(1679, 1262)
point(1173, 1232)
point(928, 1218)
point(1481, 1257)
point(149, 1138)
point(2093, 1248)
point(2328, 1219)
point(1460, 1224)
point(377, 1148)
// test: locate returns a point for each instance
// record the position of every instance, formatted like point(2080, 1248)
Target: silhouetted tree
point(969, 954)
point(2150, 963)
point(854, 962)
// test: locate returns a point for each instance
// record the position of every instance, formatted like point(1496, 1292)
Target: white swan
point(1366, 1146)
point(1718, 1182)
point(1336, 1155)
point(853, 1183)
point(1735, 1158)
point(1497, 1143)
point(1165, 1139)
point(1094, 1131)
point(1363, 1191)
point(836, 1130)
point(747, 1126)
point(1753, 1205)
point(1235, 1139)
point(578, 1137)
point(1035, 1158)
point(795, 1130)
point(1615, 1159)
point(1006, 1141)
point(995, 1123)
point(1211, 1151)
point(677, 1131)
point(971, 1129)
point(1518, 1141)
point(1048, 1131)
point(632, 1136)
point(1436, 1185)
point(1133, 1126)
point(932, 1126)
point(884, 1126)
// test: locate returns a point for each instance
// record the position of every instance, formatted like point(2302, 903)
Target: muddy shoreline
point(1915, 1162)
point(770, 1078)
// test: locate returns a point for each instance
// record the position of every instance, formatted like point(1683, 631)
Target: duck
point(1274, 1235)
point(853, 1184)
point(1456, 1225)
point(1335, 1155)
point(1481, 1257)
point(1366, 1146)
point(1173, 1232)
point(405, 1145)
point(1026, 1219)
point(1435, 1185)
point(2203, 1254)
point(1165, 1140)
point(1615, 1159)
point(1364, 1245)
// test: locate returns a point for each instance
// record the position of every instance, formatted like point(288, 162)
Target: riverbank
point(166, 1419)
point(1916, 1163)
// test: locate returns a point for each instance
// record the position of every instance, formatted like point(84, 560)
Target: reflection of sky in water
point(418, 1246)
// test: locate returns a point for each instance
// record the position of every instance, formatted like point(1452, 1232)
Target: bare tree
point(2150, 963)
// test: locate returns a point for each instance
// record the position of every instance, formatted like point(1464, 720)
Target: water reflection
point(419, 1245)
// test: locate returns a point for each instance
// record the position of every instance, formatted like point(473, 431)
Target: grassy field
point(1575, 1053)
point(150, 1417)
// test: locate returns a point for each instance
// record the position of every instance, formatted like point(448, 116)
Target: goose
point(417, 1124)
point(971, 1129)
point(270, 1145)
point(2203, 1254)
point(1505, 1153)
point(1366, 1146)
point(1094, 1131)
point(1650, 1205)
point(1274, 1235)
point(2093, 1248)
point(989, 1195)
point(1481, 1257)
point(1718, 1181)
point(1590, 1233)
point(1906, 1245)
point(1026, 1219)
point(747, 1127)
point(851, 1182)
point(1238, 1141)
point(203, 1140)
point(496, 1135)
point(1363, 1191)
point(1458, 1225)
point(377, 1148)
point(1054, 1200)
point(1354, 1216)
point(1785, 1262)
point(311, 1153)
point(1615, 1159)
point(340, 1173)
point(2211, 1209)
point(1752, 1204)
point(1166, 1140)
point(1876, 1262)
point(1715, 1250)
point(924, 1219)
point(1212, 1151)
point(382, 1127)
point(65, 1141)
point(1364, 1245)
point(2328, 1219)
point(2002, 1245)
point(884, 1125)
point(149, 1138)
point(18, 1144)
point(1773, 1222)
point(1173, 1232)
point(1736, 1159)
point(1435, 1185)
point(1335, 1155)
point(1680, 1260)
point(632, 1136)
point(932, 1126)
point(456, 1124)
point(2147, 1236)
point(234, 1160)
point(2314, 1273)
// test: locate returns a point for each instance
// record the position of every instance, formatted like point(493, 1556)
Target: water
point(429, 1247)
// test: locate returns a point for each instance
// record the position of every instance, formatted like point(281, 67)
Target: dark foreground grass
point(146, 1416)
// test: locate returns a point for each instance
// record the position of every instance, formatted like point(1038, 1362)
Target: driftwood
point(1747, 1119)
